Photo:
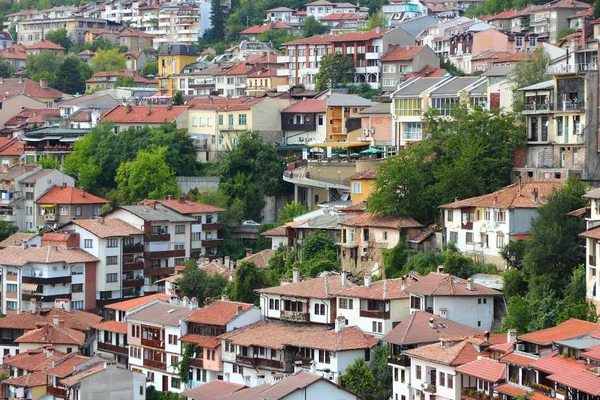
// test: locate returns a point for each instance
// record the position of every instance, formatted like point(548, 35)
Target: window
point(111, 278)
point(450, 380)
point(77, 287)
point(179, 247)
point(274, 304)
point(319, 309)
point(444, 104)
point(518, 41)
point(488, 214)
point(78, 211)
point(112, 243)
point(64, 211)
point(242, 119)
point(396, 374)
point(469, 237)
point(112, 260)
point(179, 229)
point(174, 360)
point(28, 195)
point(532, 41)
point(357, 187)
point(220, 119)
point(88, 243)
point(201, 121)
point(377, 327)
point(173, 339)
point(96, 210)
point(11, 305)
point(412, 131)
point(418, 371)
point(324, 357)
point(209, 121)
point(415, 302)
point(499, 240)
point(367, 355)
point(453, 237)
point(175, 383)
point(450, 214)
point(500, 216)
point(194, 121)
point(11, 287)
point(442, 379)
point(196, 235)
point(384, 236)
point(346, 304)
point(408, 107)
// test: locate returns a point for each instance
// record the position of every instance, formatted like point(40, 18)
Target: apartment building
point(172, 58)
point(591, 237)
point(343, 116)
point(35, 29)
point(61, 204)
point(304, 122)
point(322, 8)
point(376, 124)
point(178, 22)
point(400, 61)
point(549, 19)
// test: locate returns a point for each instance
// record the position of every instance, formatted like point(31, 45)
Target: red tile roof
point(260, 259)
point(130, 305)
point(387, 289)
point(241, 68)
point(360, 36)
point(554, 363)
point(144, 115)
point(323, 287)
point(515, 57)
point(218, 313)
point(348, 338)
point(507, 14)
point(314, 40)
point(439, 284)
point(87, 53)
point(258, 29)
point(401, 53)
point(18, 256)
point(459, 353)
point(570, 329)
point(30, 380)
point(107, 228)
point(582, 380)
point(52, 334)
point(583, 13)
point(513, 196)
point(517, 359)
point(186, 206)
point(342, 16)
point(263, 73)
point(212, 390)
point(307, 106)
point(370, 173)
point(69, 195)
point(14, 52)
point(28, 88)
point(34, 360)
point(593, 353)
point(76, 378)
point(11, 147)
point(379, 221)
point(202, 341)
point(273, 335)
point(45, 45)
point(30, 116)
point(66, 365)
point(485, 368)
point(112, 326)
point(74, 319)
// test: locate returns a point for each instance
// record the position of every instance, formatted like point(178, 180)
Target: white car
point(250, 223)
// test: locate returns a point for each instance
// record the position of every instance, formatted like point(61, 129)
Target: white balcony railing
point(571, 68)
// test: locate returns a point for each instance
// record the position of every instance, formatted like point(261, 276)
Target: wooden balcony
point(158, 344)
point(155, 364)
point(375, 314)
point(212, 227)
point(294, 316)
point(401, 361)
point(133, 266)
point(165, 237)
point(57, 392)
point(197, 362)
point(113, 348)
point(41, 280)
point(160, 271)
point(133, 283)
point(212, 243)
point(167, 254)
point(259, 362)
point(134, 248)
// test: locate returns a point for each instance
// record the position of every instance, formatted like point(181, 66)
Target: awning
point(47, 205)
point(340, 144)
point(29, 287)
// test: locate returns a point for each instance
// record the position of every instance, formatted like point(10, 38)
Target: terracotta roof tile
point(30, 116)
point(370, 173)
point(34, 360)
point(162, 313)
point(212, 390)
point(401, 53)
point(307, 106)
point(360, 36)
point(76, 378)
point(69, 195)
point(314, 40)
point(507, 14)
point(14, 52)
point(570, 329)
point(130, 305)
point(260, 259)
point(379, 221)
point(387, 289)
point(30, 380)
point(17, 239)
point(139, 114)
point(439, 284)
point(512, 196)
point(554, 363)
point(112, 326)
point(512, 390)
point(273, 335)
point(28, 88)
point(582, 380)
point(215, 268)
point(593, 353)
point(343, 16)
point(218, 313)
point(51, 334)
point(502, 347)
point(18, 256)
point(323, 287)
point(107, 227)
point(362, 206)
point(263, 73)
point(416, 329)
point(485, 368)
point(185, 206)
point(66, 365)
point(449, 354)
point(349, 338)
point(202, 341)
point(517, 359)
point(241, 68)
point(74, 319)
point(45, 45)
point(286, 387)
point(252, 393)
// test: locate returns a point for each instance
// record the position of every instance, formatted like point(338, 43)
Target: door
point(165, 383)
point(563, 157)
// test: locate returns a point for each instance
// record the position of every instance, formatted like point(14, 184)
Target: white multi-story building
point(322, 8)
point(592, 245)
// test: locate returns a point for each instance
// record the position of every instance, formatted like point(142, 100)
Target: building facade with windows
point(61, 204)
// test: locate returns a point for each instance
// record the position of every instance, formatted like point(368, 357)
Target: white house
point(592, 240)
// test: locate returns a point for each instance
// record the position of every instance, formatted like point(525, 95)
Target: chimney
point(440, 269)
point(511, 336)
point(182, 199)
point(64, 185)
point(33, 303)
point(185, 301)
point(55, 321)
point(495, 200)
point(403, 281)
point(128, 108)
point(295, 275)
point(239, 309)
point(1, 80)
point(367, 280)
point(344, 278)
point(149, 110)
point(432, 323)
point(82, 193)
point(193, 303)
point(4, 167)
point(470, 284)
point(260, 379)
point(226, 262)
point(313, 366)
point(535, 195)
point(61, 323)
point(340, 323)
point(378, 29)
point(225, 298)
point(248, 252)
point(486, 336)
point(100, 220)
point(21, 79)
point(297, 367)
point(169, 197)
point(44, 83)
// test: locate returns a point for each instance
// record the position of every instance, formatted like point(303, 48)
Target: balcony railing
point(294, 316)
point(375, 314)
point(212, 243)
point(112, 348)
point(569, 106)
point(155, 364)
point(160, 271)
point(133, 283)
point(212, 227)
point(402, 361)
point(571, 68)
point(133, 248)
point(196, 362)
point(540, 107)
point(159, 344)
point(259, 362)
point(163, 237)
point(133, 266)
point(56, 392)
point(50, 217)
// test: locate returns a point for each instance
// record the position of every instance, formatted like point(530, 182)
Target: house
point(108, 80)
point(260, 259)
point(269, 350)
point(204, 325)
point(25, 86)
point(471, 91)
point(252, 33)
point(128, 116)
point(212, 390)
point(31, 30)
point(153, 335)
point(94, 104)
point(172, 57)
point(12, 105)
point(11, 151)
point(135, 61)
point(119, 247)
point(344, 22)
point(591, 236)
point(44, 45)
point(481, 226)
point(365, 236)
point(31, 385)
point(549, 19)
point(401, 60)
point(63, 339)
point(112, 339)
point(312, 301)
point(304, 121)
point(362, 184)
point(377, 123)
point(322, 8)
point(481, 375)
point(61, 204)
point(120, 310)
point(343, 116)
point(454, 298)
point(14, 325)
point(29, 119)
point(135, 40)
point(263, 79)
point(15, 55)
point(6, 40)
point(86, 55)
point(20, 238)
point(52, 141)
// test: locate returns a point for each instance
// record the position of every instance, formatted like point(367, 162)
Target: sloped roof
point(112, 326)
point(342, 17)
point(66, 365)
point(29, 380)
point(450, 354)
point(582, 380)
point(158, 212)
point(219, 312)
point(324, 287)
point(401, 53)
point(129, 305)
point(439, 284)
point(52, 334)
point(485, 368)
point(289, 385)
point(145, 115)
point(212, 390)
point(162, 313)
point(307, 106)
point(76, 378)
point(186, 206)
point(69, 195)
point(208, 342)
point(17, 238)
point(554, 363)
point(386, 289)
point(28, 87)
point(107, 228)
point(348, 338)
point(260, 259)
point(45, 45)
point(368, 219)
point(569, 329)
point(18, 256)
point(370, 173)
point(34, 360)
point(274, 335)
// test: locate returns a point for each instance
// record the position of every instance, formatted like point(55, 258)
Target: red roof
point(14, 52)
point(144, 114)
point(67, 365)
point(202, 341)
point(258, 29)
point(29, 88)
point(307, 106)
point(360, 36)
point(45, 45)
point(507, 14)
point(554, 363)
point(33, 116)
point(517, 359)
point(33, 360)
point(593, 353)
point(314, 40)
point(401, 53)
point(485, 368)
point(69, 195)
point(186, 206)
point(129, 305)
point(29, 380)
point(263, 73)
point(342, 16)
point(239, 69)
point(11, 147)
point(570, 329)
point(427, 72)
point(212, 390)
point(582, 380)
point(219, 312)
point(515, 57)
point(111, 326)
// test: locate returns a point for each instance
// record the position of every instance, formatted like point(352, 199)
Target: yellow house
point(263, 79)
point(172, 57)
point(362, 184)
point(343, 115)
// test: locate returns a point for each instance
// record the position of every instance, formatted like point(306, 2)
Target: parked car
point(250, 223)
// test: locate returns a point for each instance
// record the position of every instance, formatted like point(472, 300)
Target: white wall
point(466, 310)
point(246, 318)
point(320, 390)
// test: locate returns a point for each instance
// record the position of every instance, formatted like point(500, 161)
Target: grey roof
point(499, 70)
point(162, 313)
point(177, 49)
point(546, 85)
point(102, 99)
point(454, 86)
point(414, 87)
point(37, 175)
point(280, 9)
point(380, 108)
point(580, 344)
point(479, 89)
point(160, 213)
point(326, 221)
point(415, 26)
point(341, 99)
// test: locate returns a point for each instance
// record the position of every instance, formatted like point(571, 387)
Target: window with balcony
point(408, 107)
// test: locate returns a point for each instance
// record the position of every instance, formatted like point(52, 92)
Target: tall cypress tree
point(217, 20)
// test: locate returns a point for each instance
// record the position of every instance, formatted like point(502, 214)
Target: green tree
point(382, 373)
point(514, 282)
point(450, 67)
point(377, 20)
point(574, 304)
point(7, 229)
point(6, 69)
point(565, 32)
point(149, 176)
point(519, 315)
point(248, 278)
point(215, 284)
point(525, 73)
point(125, 81)
point(359, 378)
point(13, 33)
point(193, 282)
point(68, 77)
point(334, 70)
point(291, 211)
point(395, 259)
point(178, 99)
point(318, 254)
point(217, 21)
point(597, 9)
point(150, 68)
point(514, 252)
point(277, 37)
point(60, 37)
point(312, 27)
point(364, 90)
point(45, 64)
point(48, 162)
point(108, 60)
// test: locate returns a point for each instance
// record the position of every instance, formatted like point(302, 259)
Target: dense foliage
point(335, 70)
point(195, 283)
point(248, 278)
point(527, 73)
point(359, 378)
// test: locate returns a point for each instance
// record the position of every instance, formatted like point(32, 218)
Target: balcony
point(163, 237)
point(155, 364)
point(401, 361)
point(212, 227)
point(571, 68)
point(212, 243)
point(56, 392)
point(167, 254)
point(50, 218)
point(113, 348)
point(375, 314)
point(568, 106)
point(133, 283)
point(160, 271)
point(537, 108)
point(294, 316)
point(196, 362)
point(133, 266)
point(58, 149)
point(373, 56)
point(255, 362)
point(158, 344)
point(40, 280)
point(45, 298)
point(134, 248)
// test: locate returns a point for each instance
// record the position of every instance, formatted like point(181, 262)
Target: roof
point(53, 334)
point(313, 40)
point(439, 284)
point(485, 369)
point(252, 393)
point(517, 195)
point(186, 206)
point(258, 29)
point(260, 259)
point(30, 116)
point(18, 256)
point(451, 353)
point(75, 319)
point(45, 45)
point(554, 363)
point(380, 221)
point(593, 353)
point(112, 326)
point(416, 329)
point(348, 338)
point(592, 194)
point(401, 53)
point(157, 213)
point(215, 268)
point(506, 14)
point(208, 342)
point(69, 195)
point(66, 365)
point(307, 106)
point(280, 9)
point(274, 335)
point(219, 312)
point(17, 238)
point(387, 289)
point(289, 385)
point(76, 378)
point(360, 36)
point(414, 87)
point(519, 391)
point(177, 49)
point(455, 85)
point(377, 109)
point(29, 380)
point(362, 206)
point(37, 175)
point(370, 173)
point(546, 85)
point(347, 100)
point(33, 360)
point(224, 104)
point(323, 287)
point(129, 305)
point(571, 328)
point(28, 87)
point(146, 115)
point(107, 228)
point(212, 390)
point(342, 16)
point(282, 229)
point(162, 313)
point(582, 380)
